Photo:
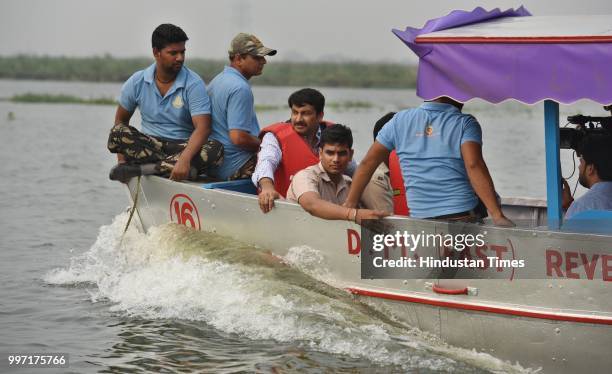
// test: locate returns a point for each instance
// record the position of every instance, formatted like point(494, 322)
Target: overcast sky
point(300, 30)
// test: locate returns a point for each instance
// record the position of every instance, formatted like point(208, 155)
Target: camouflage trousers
point(139, 148)
point(246, 170)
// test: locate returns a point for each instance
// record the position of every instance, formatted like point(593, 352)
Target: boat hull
point(555, 321)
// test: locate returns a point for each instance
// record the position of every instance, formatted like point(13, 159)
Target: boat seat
point(590, 221)
point(241, 185)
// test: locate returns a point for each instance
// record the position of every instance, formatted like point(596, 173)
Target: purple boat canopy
point(495, 56)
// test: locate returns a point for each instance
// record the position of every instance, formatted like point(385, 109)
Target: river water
point(181, 301)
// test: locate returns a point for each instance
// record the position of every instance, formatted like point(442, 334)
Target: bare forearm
point(266, 184)
point(376, 154)
point(483, 186)
point(246, 141)
point(326, 210)
point(122, 116)
point(360, 181)
point(199, 136)
point(195, 142)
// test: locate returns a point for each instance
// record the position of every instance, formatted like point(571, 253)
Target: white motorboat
point(556, 312)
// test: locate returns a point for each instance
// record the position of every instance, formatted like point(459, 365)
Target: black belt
point(467, 213)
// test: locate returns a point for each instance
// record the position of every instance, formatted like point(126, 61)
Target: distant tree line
point(33, 97)
point(110, 69)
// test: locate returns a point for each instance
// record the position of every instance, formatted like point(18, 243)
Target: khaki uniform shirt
point(315, 179)
point(378, 194)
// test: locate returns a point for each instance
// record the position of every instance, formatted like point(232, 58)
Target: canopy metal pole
point(553, 164)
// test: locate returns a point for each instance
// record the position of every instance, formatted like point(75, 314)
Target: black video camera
point(571, 137)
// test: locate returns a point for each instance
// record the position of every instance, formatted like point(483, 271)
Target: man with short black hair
point(321, 189)
point(234, 122)
point(175, 111)
point(288, 147)
point(595, 173)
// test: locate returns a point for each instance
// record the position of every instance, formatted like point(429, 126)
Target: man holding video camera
point(595, 173)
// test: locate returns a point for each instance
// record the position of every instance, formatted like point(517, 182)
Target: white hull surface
point(561, 322)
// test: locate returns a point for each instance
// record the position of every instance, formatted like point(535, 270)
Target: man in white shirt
point(288, 147)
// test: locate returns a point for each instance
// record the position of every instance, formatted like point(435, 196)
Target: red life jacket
point(400, 205)
point(297, 154)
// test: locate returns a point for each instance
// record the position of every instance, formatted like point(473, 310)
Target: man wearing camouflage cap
point(234, 123)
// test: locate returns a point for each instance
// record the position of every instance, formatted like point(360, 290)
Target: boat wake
point(176, 273)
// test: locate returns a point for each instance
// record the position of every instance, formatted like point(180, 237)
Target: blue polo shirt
point(233, 107)
point(428, 143)
point(598, 197)
point(169, 116)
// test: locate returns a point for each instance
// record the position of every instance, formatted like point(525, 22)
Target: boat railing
point(525, 211)
point(241, 185)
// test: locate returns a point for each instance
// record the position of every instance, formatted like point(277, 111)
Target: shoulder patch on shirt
point(178, 101)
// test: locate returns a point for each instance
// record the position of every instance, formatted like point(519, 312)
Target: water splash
point(176, 273)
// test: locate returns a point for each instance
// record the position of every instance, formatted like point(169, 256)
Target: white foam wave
point(161, 275)
point(310, 261)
